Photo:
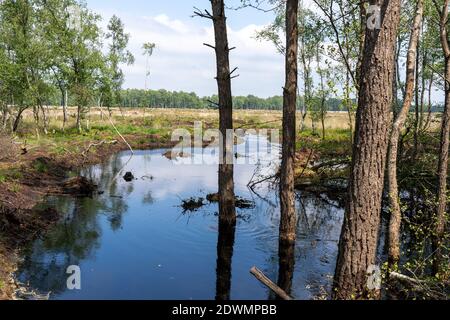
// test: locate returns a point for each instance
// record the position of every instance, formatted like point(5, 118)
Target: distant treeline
point(137, 98)
point(174, 99)
point(178, 99)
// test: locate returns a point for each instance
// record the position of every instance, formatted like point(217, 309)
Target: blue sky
point(181, 62)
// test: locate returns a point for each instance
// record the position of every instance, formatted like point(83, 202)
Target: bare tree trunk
point(445, 142)
point(423, 83)
point(36, 119)
point(286, 267)
point(44, 119)
point(17, 120)
point(417, 104)
point(65, 103)
point(322, 118)
point(399, 122)
point(227, 208)
point(5, 117)
point(430, 102)
point(287, 195)
point(348, 104)
point(359, 237)
point(79, 119)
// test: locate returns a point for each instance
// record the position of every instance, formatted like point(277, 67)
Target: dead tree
point(359, 237)
point(227, 209)
point(287, 195)
point(399, 122)
point(444, 144)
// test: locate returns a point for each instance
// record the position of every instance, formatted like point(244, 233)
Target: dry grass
point(243, 118)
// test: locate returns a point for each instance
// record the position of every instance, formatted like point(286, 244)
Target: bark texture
point(359, 237)
point(286, 267)
point(399, 122)
point(226, 182)
point(445, 143)
point(287, 195)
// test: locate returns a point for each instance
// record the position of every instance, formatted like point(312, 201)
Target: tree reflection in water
point(225, 246)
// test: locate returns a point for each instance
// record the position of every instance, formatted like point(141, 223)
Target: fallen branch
point(306, 165)
point(258, 274)
point(118, 132)
point(421, 286)
point(92, 145)
point(252, 185)
point(331, 163)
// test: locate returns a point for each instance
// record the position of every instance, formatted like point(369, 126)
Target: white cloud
point(182, 62)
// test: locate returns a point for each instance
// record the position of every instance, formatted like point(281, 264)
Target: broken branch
point(258, 274)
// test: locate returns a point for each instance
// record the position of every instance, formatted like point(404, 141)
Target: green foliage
point(55, 46)
point(40, 166)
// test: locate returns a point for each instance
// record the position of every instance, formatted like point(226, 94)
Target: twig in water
point(258, 274)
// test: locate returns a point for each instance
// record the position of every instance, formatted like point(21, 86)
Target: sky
point(181, 62)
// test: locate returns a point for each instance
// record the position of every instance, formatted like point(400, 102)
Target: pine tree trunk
point(399, 122)
point(443, 154)
point(227, 209)
point(359, 237)
point(286, 267)
point(287, 195)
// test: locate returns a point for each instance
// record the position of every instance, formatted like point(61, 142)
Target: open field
point(157, 118)
point(260, 118)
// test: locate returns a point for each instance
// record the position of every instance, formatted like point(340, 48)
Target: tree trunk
point(287, 195)
point(362, 38)
point(5, 117)
point(359, 237)
point(443, 154)
point(65, 103)
point(417, 103)
point(17, 120)
point(286, 267)
point(79, 119)
point(399, 122)
point(348, 104)
point(227, 208)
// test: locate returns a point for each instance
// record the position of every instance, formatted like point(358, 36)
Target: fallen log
point(258, 274)
point(427, 289)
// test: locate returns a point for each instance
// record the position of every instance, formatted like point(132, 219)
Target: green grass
point(40, 166)
point(10, 175)
point(15, 187)
point(337, 142)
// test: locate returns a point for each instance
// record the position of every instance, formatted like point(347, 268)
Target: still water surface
point(135, 242)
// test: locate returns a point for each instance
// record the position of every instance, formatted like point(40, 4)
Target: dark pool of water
point(135, 242)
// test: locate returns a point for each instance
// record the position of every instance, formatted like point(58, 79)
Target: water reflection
point(225, 245)
point(286, 267)
point(134, 242)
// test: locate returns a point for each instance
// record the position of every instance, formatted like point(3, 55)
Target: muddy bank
point(27, 176)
